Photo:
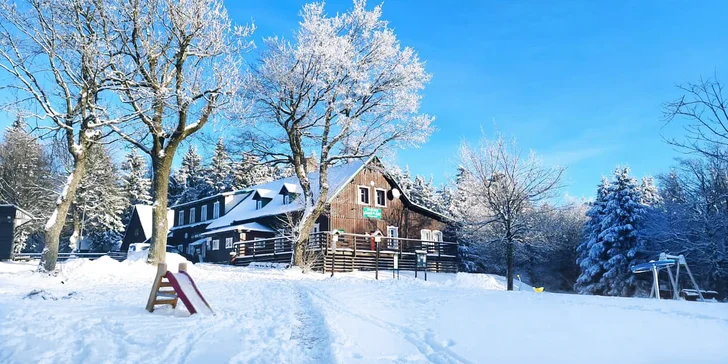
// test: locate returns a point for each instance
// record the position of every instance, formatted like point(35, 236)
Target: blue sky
point(580, 82)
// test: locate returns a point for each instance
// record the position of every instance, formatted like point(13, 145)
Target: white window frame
point(181, 218)
point(426, 235)
point(286, 199)
point(376, 202)
point(216, 210)
point(216, 244)
point(392, 243)
point(228, 243)
point(358, 195)
point(257, 245)
point(192, 214)
point(437, 235)
point(203, 212)
point(316, 228)
point(258, 204)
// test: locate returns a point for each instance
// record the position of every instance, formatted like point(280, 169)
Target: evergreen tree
point(136, 185)
point(423, 194)
point(403, 178)
point(649, 193)
point(592, 253)
point(192, 176)
point(99, 204)
point(220, 173)
point(27, 180)
point(251, 171)
point(623, 217)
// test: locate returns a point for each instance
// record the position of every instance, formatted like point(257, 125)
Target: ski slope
point(93, 311)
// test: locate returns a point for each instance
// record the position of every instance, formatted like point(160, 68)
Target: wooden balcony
point(352, 252)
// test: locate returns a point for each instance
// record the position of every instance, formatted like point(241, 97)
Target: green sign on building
point(372, 213)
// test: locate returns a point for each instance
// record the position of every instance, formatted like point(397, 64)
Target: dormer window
point(289, 192)
point(192, 215)
point(216, 210)
point(262, 197)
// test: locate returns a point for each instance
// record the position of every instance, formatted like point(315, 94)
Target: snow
point(338, 177)
point(145, 213)
point(94, 312)
point(188, 288)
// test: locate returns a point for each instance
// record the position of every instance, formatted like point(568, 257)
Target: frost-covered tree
point(54, 55)
point(99, 204)
point(136, 185)
point(193, 176)
point(592, 252)
point(649, 193)
point(345, 89)
point(621, 223)
point(423, 193)
point(506, 186)
point(27, 179)
point(220, 172)
point(177, 67)
point(251, 171)
point(403, 178)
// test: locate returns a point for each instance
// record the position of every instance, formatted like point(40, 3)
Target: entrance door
point(392, 232)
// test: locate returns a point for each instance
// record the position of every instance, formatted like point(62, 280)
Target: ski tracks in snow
point(424, 340)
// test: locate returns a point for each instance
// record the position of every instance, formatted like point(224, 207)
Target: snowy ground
point(94, 312)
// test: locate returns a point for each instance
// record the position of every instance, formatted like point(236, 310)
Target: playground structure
point(169, 288)
point(666, 262)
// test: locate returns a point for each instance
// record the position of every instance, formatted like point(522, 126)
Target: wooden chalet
point(139, 228)
point(11, 217)
point(372, 220)
point(363, 202)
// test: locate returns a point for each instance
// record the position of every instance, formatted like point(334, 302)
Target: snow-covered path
point(283, 316)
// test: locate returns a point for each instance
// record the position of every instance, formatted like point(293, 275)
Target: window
point(315, 228)
point(258, 204)
point(425, 235)
point(259, 244)
point(364, 195)
point(216, 210)
point(228, 243)
point(192, 215)
point(136, 232)
point(286, 199)
point(392, 232)
point(381, 197)
point(181, 218)
point(216, 244)
point(437, 235)
point(203, 213)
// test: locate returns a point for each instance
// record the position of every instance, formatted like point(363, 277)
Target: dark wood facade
point(347, 212)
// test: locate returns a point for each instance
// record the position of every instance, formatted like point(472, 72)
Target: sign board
point(372, 213)
point(421, 258)
point(341, 230)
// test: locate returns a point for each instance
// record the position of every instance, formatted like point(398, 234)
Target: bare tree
point(52, 52)
point(178, 66)
point(506, 186)
point(703, 114)
point(344, 89)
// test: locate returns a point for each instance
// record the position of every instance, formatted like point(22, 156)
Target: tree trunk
point(161, 168)
point(55, 223)
point(509, 263)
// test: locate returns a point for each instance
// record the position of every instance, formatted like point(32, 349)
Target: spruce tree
point(649, 194)
point(99, 204)
point(220, 172)
point(136, 184)
point(251, 171)
point(192, 176)
point(623, 217)
point(592, 253)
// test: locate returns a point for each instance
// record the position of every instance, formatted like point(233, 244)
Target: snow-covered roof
point(290, 187)
point(144, 212)
point(248, 226)
point(338, 177)
point(229, 193)
point(199, 242)
point(265, 193)
point(21, 216)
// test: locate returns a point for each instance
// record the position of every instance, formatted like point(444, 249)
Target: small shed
point(11, 217)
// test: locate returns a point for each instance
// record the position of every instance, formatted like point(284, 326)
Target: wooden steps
point(160, 296)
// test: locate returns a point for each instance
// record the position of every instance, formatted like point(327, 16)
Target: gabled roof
point(290, 188)
point(264, 193)
point(144, 213)
point(338, 177)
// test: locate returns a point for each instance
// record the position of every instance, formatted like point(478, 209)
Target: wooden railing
point(263, 247)
point(65, 256)
point(368, 243)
